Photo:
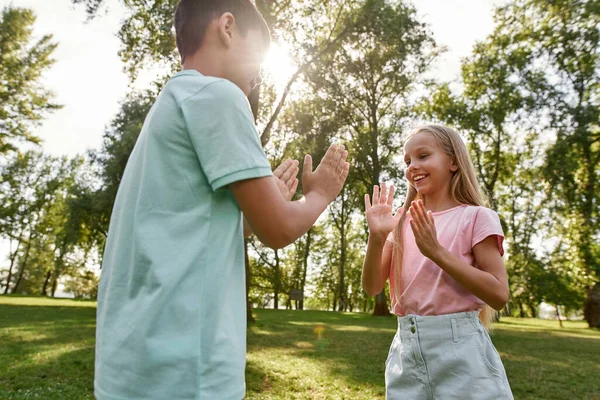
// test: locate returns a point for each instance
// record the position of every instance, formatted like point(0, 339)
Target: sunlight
point(278, 66)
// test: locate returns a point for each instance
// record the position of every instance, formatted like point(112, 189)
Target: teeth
point(418, 177)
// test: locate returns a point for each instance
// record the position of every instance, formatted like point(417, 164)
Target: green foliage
point(83, 285)
point(47, 241)
point(23, 100)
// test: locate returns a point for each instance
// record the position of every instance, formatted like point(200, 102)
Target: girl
point(442, 253)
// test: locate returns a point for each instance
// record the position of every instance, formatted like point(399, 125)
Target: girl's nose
point(413, 167)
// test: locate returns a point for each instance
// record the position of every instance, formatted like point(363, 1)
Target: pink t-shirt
point(423, 288)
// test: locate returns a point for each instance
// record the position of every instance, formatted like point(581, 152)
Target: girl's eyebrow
point(417, 150)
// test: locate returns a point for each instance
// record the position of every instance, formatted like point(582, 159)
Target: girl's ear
point(453, 167)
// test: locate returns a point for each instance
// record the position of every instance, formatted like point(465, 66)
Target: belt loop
point(454, 326)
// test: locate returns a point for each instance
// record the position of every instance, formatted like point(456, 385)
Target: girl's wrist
point(377, 238)
point(437, 255)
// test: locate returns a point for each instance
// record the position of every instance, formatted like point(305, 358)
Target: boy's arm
point(287, 183)
point(277, 222)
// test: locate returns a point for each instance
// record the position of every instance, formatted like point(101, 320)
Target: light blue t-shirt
point(171, 320)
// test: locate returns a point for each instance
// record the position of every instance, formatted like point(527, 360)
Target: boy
point(171, 318)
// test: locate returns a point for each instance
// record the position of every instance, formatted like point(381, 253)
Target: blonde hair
point(464, 189)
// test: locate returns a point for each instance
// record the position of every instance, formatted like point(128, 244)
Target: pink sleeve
point(487, 223)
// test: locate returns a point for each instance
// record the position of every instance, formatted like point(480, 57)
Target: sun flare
point(278, 66)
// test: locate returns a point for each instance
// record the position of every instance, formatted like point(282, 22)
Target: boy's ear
point(226, 27)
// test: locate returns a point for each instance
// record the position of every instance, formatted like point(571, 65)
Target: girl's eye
point(422, 156)
point(407, 163)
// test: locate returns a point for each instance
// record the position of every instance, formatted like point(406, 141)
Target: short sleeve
point(487, 223)
point(221, 128)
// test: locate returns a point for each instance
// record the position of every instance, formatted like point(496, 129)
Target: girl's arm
point(489, 282)
point(381, 221)
point(376, 267)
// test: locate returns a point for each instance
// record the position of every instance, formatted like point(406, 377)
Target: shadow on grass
point(47, 352)
point(541, 362)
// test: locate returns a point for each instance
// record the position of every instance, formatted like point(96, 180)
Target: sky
point(88, 77)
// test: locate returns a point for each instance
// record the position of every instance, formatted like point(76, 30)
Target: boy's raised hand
point(329, 177)
point(380, 219)
point(286, 179)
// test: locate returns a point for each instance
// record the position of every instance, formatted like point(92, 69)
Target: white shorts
point(444, 357)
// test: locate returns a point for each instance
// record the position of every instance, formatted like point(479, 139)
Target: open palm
point(380, 219)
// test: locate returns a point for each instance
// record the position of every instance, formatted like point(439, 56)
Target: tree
point(23, 101)
point(147, 37)
point(564, 43)
point(29, 182)
point(368, 82)
point(37, 221)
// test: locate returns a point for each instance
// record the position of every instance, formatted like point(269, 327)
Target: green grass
point(47, 352)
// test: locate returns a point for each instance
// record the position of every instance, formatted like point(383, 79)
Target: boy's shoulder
point(187, 84)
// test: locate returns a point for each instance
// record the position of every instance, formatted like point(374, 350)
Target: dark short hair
point(192, 18)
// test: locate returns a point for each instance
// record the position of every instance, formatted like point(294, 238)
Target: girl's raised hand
point(380, 219)
point(421, 222)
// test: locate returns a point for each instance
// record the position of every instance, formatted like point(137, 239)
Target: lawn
point(47, 352)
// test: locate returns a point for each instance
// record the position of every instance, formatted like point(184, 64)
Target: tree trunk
point(342, 295)
point(533, 309)
point(558, 316)
point(249, 316)
point(587, 210)
point(277, 283)
point(22, 266)
point(305, 266)
point(521, 310)
point(13, 257)
point(592, 307)
point(381, 308)
point(54, 283)
point(46, 281)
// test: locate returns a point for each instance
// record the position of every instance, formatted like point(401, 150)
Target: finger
point(375, 194)
point(414, 211)
point(418, 212)
point(390, 198)
point(383, 194)
point(415, 215)
point(288, 184)
point(414, 227)
point(308, 167)
point(338, 155)
point(342, 162)
point(345, 171)
point(367, 202)
point(282, 168)
point(294, 186)
point(430, 216)
point(424, 216)
point(289, 172)
point(293, 177)
point(329, 154)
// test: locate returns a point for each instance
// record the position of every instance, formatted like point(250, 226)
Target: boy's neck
point(205, 62)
